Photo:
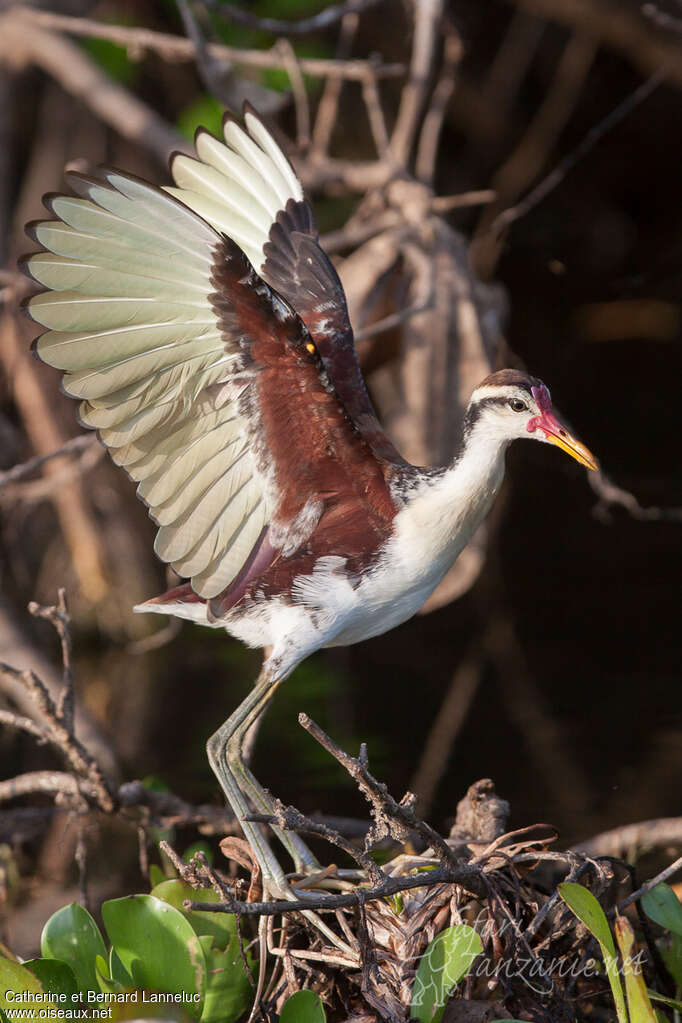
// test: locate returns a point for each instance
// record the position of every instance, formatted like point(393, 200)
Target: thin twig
point(375, 113)
point(301, 105)
point(593, 136)
point(329, 16)
point(328, 107)
point(427, 18)
point(612, 496)
point(290, 819)
point(477, 197)
point(393, 320)
point(211, 71)
point(58, 616)
point(74, 446)
point(173, 47)
point(462, 875)
point(659, 879)
point(429, 138)
point(47, 782)
point(390, 816)
point(12, 720)
point(624, 840)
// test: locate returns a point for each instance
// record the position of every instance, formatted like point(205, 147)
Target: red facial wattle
point(555, 432)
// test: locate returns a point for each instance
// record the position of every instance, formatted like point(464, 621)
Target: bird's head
point(511, 405)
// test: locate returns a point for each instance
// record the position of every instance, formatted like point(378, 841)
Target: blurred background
point(556, 668)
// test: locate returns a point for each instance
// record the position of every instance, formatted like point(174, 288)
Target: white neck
point(445, 512)
point(468, 487)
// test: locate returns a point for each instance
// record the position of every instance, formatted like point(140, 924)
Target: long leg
point(224, 758)
point(304, 860)
point(224, 754)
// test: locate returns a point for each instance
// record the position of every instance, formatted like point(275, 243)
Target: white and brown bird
point(206, 335)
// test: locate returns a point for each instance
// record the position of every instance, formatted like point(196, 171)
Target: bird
point(206, 334)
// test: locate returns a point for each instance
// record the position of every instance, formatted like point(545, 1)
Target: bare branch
point(176, 48)
point(58, 616)
point(429, 137)
point(462, 874)
point(427, 18)
point(390, 817)
point(394, 320)
point(612, 496)
point(300, 94)
point(211, 71)
point(659, 879)
point(549, 183)
point(624, 841)
point(290, 819)
point(74, 446)
point(375, 113)
point(619, 26)
point(47, 782)
point(328, 107)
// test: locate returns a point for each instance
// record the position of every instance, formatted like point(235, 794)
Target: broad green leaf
point(448, 958)
point(639, 1006)
point(56, 977)
point(663, 907)
point(303, 1007)
point(15, 981)
point(72, 936)
point(112, 976)
point(585, 906)
point(223, 926)
point(229, 992)
point(158, 947)
point(156, 875)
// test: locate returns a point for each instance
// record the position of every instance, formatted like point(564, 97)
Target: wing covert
point(247, 189)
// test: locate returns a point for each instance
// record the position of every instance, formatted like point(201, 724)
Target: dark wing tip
point(30, 229)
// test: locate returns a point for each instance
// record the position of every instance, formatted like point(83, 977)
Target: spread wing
point(203, 383)
point(247, 189)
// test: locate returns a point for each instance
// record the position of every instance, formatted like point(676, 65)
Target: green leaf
point(16, 980)
point(158, 947)
point(447, 959)
point(156, 875)
point(204, 112)
point(639, 1006)
point(582, 902)
point(56, 977)
point(229, 992)
point(303, 1007)
point(72, 936)
point(222, 926)
point(663, 907)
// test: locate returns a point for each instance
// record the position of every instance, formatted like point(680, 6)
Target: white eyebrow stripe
point(504, 391)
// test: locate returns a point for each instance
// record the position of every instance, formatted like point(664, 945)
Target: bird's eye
point(517, 405)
